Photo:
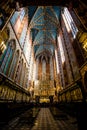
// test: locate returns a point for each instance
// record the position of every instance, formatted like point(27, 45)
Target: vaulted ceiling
point(44, 24)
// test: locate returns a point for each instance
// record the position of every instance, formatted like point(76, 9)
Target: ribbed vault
point(44, 24)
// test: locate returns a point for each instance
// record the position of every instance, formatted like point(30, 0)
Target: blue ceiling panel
point(44, 26)
point(37, 14)
point(31, 11)
point(34, 32)
point(57, 10)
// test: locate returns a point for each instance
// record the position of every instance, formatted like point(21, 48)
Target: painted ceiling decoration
point(44, 25)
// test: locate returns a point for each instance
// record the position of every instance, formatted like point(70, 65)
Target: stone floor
point(43, 121)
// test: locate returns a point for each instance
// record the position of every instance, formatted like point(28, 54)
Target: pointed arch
point(23, 74)
point(19, 71)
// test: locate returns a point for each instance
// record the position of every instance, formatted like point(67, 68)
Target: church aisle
point(44, 121)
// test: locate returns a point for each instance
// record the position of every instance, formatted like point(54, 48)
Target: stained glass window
point(19, 71)
point(61, 49)
point(14, 64)
point(70, 22)
point(6, 58)
point(57, 61)
point(23, 34)
point(14, 17)
point(22, 13)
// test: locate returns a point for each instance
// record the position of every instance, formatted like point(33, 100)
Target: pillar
point(43, 69)
point(37, 64)
point(51, 69)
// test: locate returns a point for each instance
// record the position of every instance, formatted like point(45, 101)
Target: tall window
point(57, 64)
point(23, 75)
point(13, 65)
point(6, 58)
point(68, 20)
point(17, 14)
point(22, 13)
point(14, 17)
point(23, 35)
point(19, 71)
point(61, 49)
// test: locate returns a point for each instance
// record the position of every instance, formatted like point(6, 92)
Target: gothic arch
point(26, 78)
point(19, 71)
point(22, 74)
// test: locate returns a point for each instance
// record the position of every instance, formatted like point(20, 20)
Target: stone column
point(37, 64)
point(51, 69)
point(68, 37)
point(43, 69)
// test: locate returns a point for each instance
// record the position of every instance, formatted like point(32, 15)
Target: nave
point(43, 118)
point(43, 59)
